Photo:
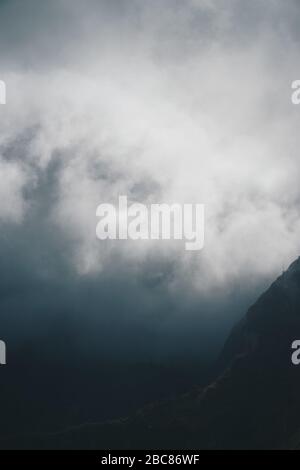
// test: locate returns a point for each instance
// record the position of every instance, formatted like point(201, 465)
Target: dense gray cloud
point(163, 101)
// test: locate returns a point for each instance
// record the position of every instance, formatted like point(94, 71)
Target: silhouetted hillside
point(254, 402)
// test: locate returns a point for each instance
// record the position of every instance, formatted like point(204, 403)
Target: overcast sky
point(162, 101)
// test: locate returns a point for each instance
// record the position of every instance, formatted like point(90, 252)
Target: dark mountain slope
point(254, 402)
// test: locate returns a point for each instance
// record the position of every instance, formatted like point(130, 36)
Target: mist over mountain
point(252, 403)
point(161, 101)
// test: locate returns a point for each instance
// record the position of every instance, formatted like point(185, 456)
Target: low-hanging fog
point(162, 101)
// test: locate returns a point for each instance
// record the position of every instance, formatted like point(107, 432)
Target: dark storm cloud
point(162, 101)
